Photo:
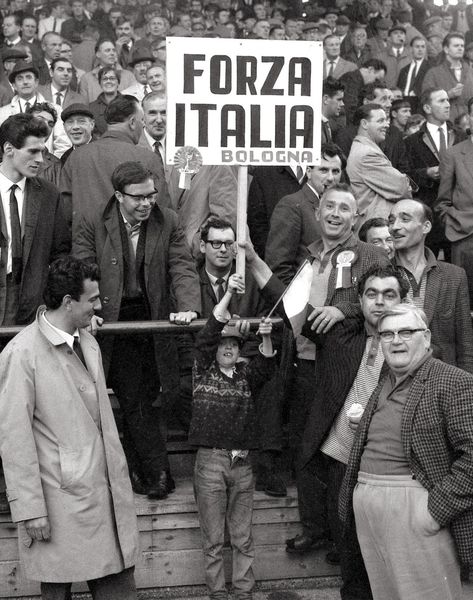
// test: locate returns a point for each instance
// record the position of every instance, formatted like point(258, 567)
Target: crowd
point(374, 388)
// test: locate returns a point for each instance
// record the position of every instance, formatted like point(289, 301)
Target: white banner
point(243, 102)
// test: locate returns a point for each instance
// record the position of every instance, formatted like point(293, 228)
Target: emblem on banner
point(187, 161)
point(344, 262)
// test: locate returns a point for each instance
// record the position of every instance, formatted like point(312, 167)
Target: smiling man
point(78, 125)
point(409, 475)
point(60, 447)
point(439, 288)
point(375, 182)
point(142, 254)
point(30, 205)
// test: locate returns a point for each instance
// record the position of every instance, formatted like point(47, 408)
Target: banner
point(243, 102)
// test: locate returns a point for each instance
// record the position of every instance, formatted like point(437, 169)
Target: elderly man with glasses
point(142, 253)
point(409, 479)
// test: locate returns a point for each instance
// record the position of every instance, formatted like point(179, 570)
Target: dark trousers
point(119, 586)
point(134, 378)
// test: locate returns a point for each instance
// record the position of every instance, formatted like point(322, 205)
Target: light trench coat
point(63, 459)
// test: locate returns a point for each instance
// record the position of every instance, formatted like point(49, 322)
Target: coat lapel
point(154, 241)
point(432, 291)
point(91, 356)
point(414, 397)
point(429, 142)
point(32, 203)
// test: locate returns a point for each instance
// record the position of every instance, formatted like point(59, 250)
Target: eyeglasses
point(216, 244)
point(110, 78)
point(403, 334)
point(140, 198)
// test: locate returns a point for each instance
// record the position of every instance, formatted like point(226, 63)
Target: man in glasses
point(437, 287)
point(409, 479)
point(142, 254)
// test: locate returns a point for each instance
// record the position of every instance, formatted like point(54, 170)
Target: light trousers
point(406, 554)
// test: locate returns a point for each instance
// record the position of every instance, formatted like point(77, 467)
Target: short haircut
point(426, 96)
point(331, 150)
point(29, 17)
point(369, 224)
point(449, 37)
point(128, 173)
point(64, 41)
point(42, 107)
point(57, 60)
point(364, 112)
point(49, 34)
point(104, 70)
point(405, 309)
point(416, 39)
point(217, 223)
point(16, 17)
point(375, 64)
point(331, 87)
point(17, 128)
point(99, 43)
point(368, 91)
point(384, 272)
point(66, 277)
point(328, 37)
point(150, 96)
point(120, 109)
point(339, 187)
point(122, 20)
point(398, 104)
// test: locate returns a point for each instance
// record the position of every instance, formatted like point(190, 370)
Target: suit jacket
point(293, 228)
point(343, 66)
point(422, 154)
point(447, 307)
point(167, 263)
point(468, 16)
point(454, 202)
point(436, 433)
point(375, 182)
point(442, 77)
point(268, 186)
point(394, 64)
point(45, 238)
point(416, 85)
point(6, 93)
point(353, 82)
point(89, 85)
point(89, 195)
point(44, 72)
point(352, 56)
point(70, 97)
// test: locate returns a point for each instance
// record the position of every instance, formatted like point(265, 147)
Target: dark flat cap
point(22, 67)
point(343, 20)
point(13, 54)
point(397, 28)
point(431, 21)
point(76, 109)
point(310, 25)
point(141, 55)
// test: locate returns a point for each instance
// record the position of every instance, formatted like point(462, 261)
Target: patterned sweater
point(223, 407)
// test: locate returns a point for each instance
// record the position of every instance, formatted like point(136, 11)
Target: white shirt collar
point(151, 140)
point(213, 279)
point(67, 337)
point(5, 184)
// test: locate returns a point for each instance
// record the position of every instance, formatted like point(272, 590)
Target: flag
point(296, 297)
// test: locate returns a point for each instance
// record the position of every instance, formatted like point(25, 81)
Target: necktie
point(54, 24)
point(331, 68)
point(220, 288)
point(59, 98)
point(326, 131)
point(145, 90)
point(78, 350)
point(299, 174)
point(27, 106)
point(443, 143)
point(161, 174)
point(132, 286)
point(16, 250)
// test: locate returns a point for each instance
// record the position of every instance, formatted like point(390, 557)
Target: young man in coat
point(67, 481)
point(142, 254)
point(409, 479)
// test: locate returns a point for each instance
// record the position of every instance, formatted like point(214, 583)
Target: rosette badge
point(187, 161)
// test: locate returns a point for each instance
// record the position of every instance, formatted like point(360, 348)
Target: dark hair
point(66, 277)
point(398, 104)
point(369, 224)
point(332, 150)
point(375, 64)
point(42, 106)
point(105, 70)
point(217, 223)
point(367, 91)
point(123, 19)
point(364, 112)
point(28, 16)
point(17, 128)
point(384, 272)
point(416, 39)
point(332, 86)
point(64, 41)
point(427, 211)
point(17, 18)
point(426, 95)
point(102, 41)
point(128, 173)
point(449, 37)
point(57, 60)
point(120, 109)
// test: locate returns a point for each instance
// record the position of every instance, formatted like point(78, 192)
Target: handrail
point(131, 327)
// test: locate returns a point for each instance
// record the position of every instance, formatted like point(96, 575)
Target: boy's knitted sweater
point(223, 407)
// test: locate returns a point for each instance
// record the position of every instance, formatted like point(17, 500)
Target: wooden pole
point(242, 202)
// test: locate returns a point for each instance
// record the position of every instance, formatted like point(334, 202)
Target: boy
point(223, 426)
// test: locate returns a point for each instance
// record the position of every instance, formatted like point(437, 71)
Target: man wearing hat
point(397, 55)
point(359, 52)
point(341, 29)
point(379, 42)
point(311, 32)
point(10, 56)
point(78, 124)
point(24, 80)
point(141, 61)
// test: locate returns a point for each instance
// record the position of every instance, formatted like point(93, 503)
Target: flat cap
point(343, 20)
point(397, 28)
point(13, 54)
point(310, 25)
point(22, 67)
point(431, 21)
point(76, 109)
